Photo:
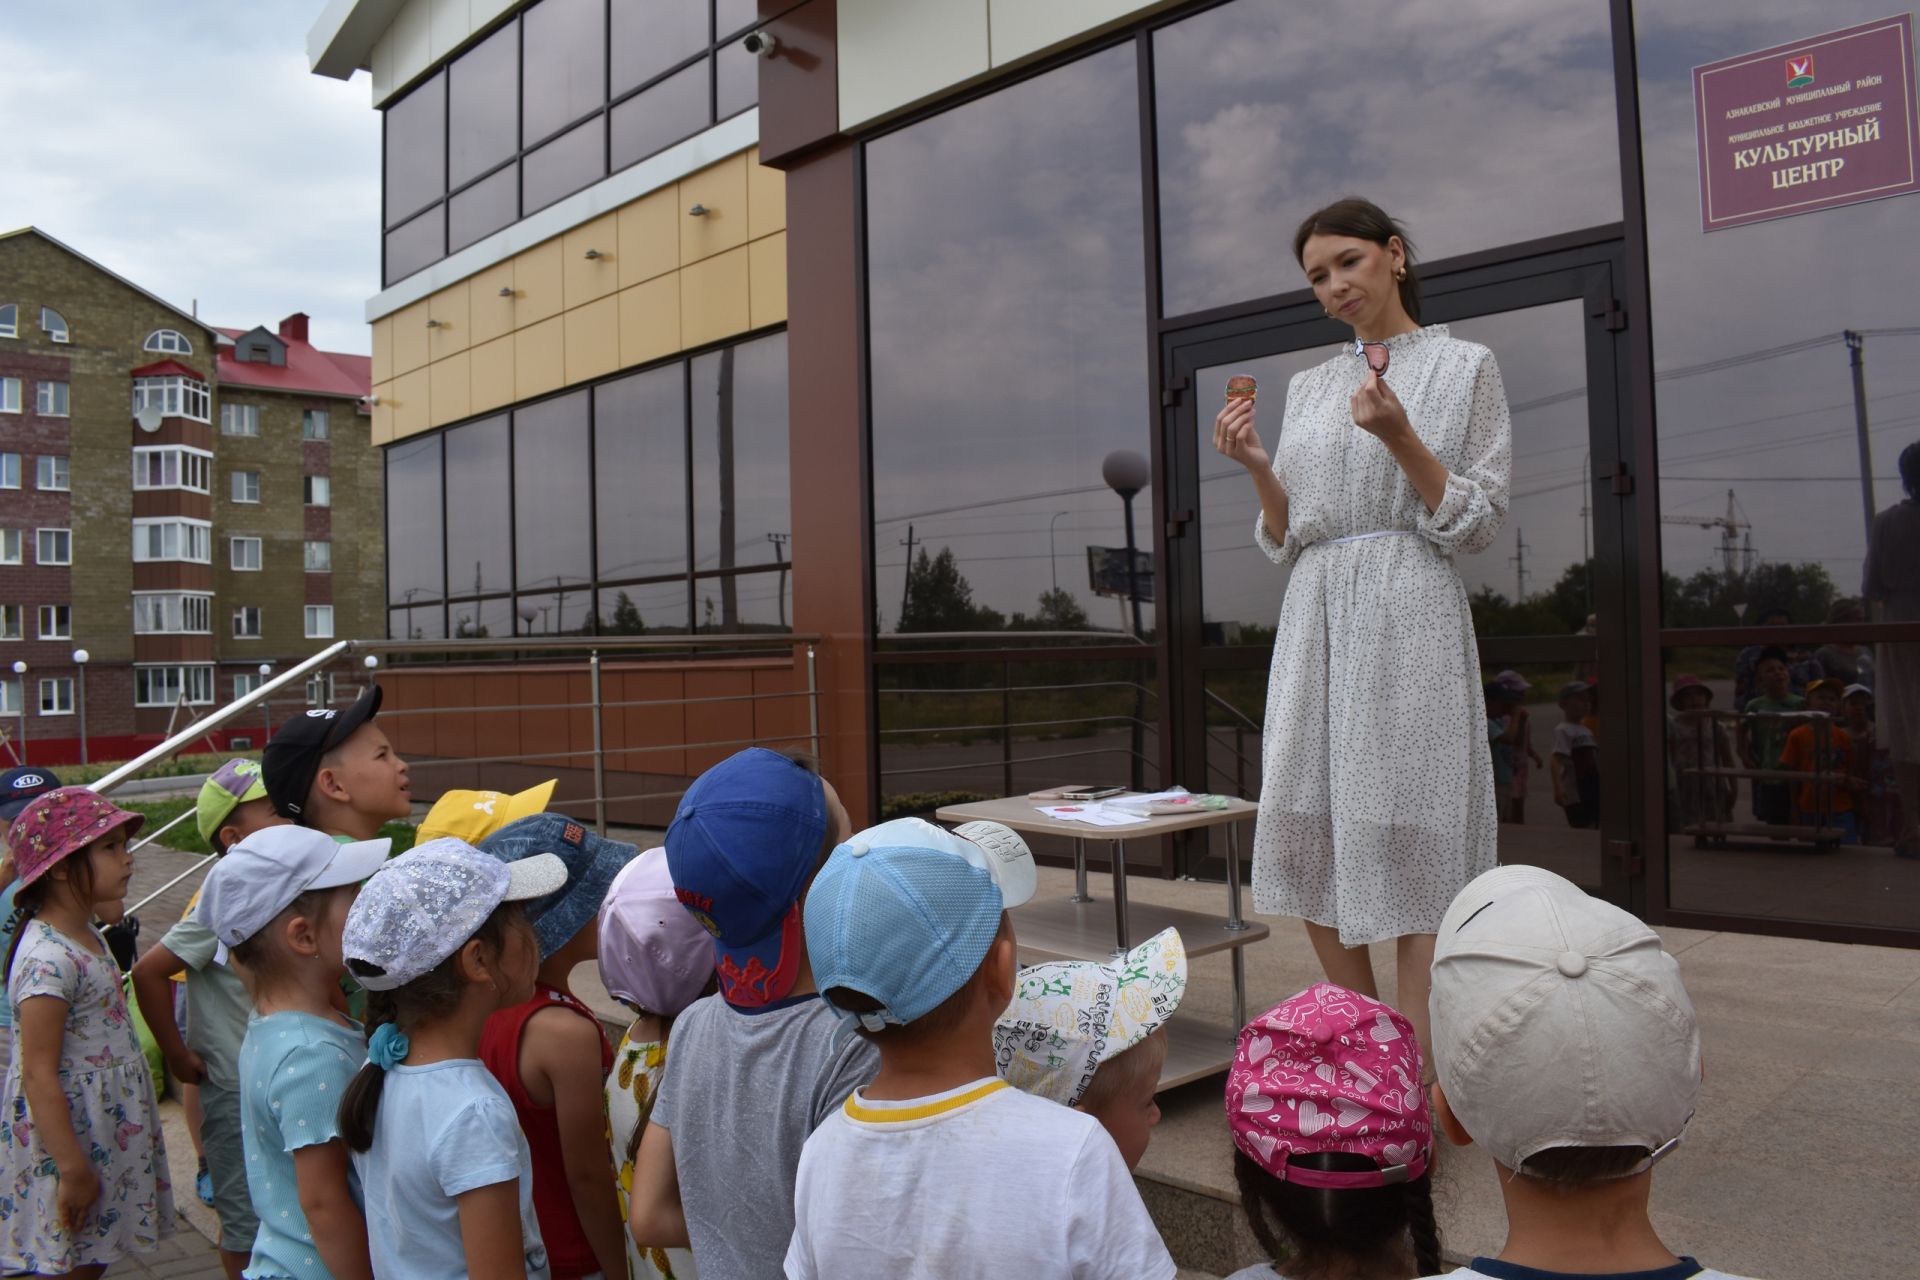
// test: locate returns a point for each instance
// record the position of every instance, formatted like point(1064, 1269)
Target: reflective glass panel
point(564, 613)
point(651, 35)
point(415, 622)
point(418, 244)
point(553, 502)
point(414, 567)
point(483, 86)
point(741, 487)
point(1008, 339)
point(732, 16)
point(1449, 118)
point(755, 602)
point(643, 607)
point(675, 108)
point(416, 159)
point(1758, 412)
point(479, 531)
point(563, 166)
point(736, 80)
point(481, 619)
point(640, 470)
point(564, 64)
point(483, 208)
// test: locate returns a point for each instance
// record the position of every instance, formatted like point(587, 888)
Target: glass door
point(1549, 607)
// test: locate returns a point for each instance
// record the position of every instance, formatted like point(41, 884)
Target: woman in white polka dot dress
point(1377, 797)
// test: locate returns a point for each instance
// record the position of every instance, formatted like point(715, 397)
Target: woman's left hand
point(1378, 411)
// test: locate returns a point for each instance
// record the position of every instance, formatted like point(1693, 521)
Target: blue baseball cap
point(905, 912)
point(741, 846)
point(19, 786)
point(591, 861)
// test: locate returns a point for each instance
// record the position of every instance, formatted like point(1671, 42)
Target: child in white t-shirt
point(939, 1163)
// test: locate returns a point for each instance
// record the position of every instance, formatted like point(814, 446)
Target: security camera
point(761, 44)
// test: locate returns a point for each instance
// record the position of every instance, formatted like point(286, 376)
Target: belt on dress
point(1362, 537)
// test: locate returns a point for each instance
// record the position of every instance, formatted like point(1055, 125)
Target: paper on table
point(1138, 801)
point(1095, 815)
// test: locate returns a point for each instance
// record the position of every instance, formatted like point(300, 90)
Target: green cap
point(232, 784)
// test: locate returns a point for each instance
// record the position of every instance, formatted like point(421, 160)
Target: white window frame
point(56, 622)
point(171, 466)
point(240, 612)
point(40, 545)
point(61, 687)
point(59, 330)
point(317, 491)
point(52, 399)
point(171, 341)
point(321, 689)
point(53, 473)
point(238, 487)
point(10, 696)
point(9, 319)
point(240, 420)
point(183, 675)
point(191, 540)
point(9, 395)
point(314, 425)
point(234, 557)
point(9, 471)
point(245, 682)
point(13, 622)
point(175, 395)
point(172, 613)
point(319, 620)
point(11, 542)
point(319, 555)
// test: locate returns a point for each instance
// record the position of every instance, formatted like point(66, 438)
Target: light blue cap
point(905, 912)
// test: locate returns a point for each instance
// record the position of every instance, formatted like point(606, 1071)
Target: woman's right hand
point(79, 1188)
point(1235, 438)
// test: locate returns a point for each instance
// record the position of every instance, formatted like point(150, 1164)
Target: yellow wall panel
point(537, 284)
point(411, 409)
point(410, 337)
point(650, 320)
point(448, 391)
point(593, 340)
point(382, 349)
point(722, 190)
point(452, 333)
point(766, 198)
point(539, 359)
point(382, 429)
point(767, 280)
point(490, 312)
point(650, 236)
point(490, 375)
point(585, 279)
point(713, 298)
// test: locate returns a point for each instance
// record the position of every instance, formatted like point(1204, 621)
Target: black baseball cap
point(292, 755)
point(19, 786)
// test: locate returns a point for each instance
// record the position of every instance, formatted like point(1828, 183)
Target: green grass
point(182, 766)
point(186, 836)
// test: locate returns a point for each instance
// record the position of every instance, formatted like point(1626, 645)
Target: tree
point(1059, 611)
point(1710, 599)
point(939, 598)
point(625, 619)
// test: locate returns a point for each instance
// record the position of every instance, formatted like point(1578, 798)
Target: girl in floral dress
point(81, 1153)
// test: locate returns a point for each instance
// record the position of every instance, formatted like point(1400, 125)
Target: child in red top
point(1833, 765)
point(552, 1058)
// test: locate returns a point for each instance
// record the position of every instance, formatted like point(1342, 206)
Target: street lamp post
point(1051, 562)
point(266, 706)
point(80, 657)
point(20, 669)
point(1127, 473)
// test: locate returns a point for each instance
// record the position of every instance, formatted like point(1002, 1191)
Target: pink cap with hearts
point(1330, 1070)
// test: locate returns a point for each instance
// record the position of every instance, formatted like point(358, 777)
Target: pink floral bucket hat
point(1330, 1070)
point(61, 823)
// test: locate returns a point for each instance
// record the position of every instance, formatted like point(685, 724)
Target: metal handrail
point(581, 644)
point(1242, 716)
point(1108, 636)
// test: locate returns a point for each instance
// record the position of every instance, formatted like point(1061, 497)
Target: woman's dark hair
point(431, 996)
point(28, 902)
point(1910, 470)
point(1388, 1230)
point(1363, 220)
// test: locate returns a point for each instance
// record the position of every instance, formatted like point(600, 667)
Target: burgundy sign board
point(1799, 127)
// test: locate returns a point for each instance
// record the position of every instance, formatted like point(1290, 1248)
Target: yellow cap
point(472, 816)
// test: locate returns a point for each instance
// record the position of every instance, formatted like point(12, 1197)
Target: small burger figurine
point(1375, 354)
point(1242, 387)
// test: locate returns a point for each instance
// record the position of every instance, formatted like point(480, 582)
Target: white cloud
point(188, 148)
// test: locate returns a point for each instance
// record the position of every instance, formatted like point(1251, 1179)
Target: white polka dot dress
point(1377, 793)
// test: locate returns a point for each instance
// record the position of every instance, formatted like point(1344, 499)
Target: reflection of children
point(1763, 733)
point(1501, 728)
point(1576, 758)
point(1698, 742)
point(1524, 756)
point(1826, 752)
point(1879, 804)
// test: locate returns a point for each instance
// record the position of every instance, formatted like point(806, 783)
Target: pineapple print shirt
point(637, 1067)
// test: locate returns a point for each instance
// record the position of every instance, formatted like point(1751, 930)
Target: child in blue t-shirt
point(278, 901)
point(440, 943)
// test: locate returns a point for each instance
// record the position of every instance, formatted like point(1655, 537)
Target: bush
point(921, 804)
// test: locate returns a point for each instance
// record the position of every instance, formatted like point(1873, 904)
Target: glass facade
point(572, 514)
point(559, 96)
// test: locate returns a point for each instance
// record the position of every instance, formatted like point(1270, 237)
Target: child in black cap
point(335, 771)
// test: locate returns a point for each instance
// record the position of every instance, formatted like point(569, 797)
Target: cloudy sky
point(186, 147)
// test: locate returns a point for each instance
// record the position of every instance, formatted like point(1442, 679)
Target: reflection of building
point(953, 266)
point(223, 488)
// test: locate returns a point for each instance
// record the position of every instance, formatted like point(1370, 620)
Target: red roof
point(308, 369)
point(166, 369)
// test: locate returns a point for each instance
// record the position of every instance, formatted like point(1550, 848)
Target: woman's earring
point(1399, 273)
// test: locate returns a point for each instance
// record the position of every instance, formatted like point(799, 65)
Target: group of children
point(835, 1066)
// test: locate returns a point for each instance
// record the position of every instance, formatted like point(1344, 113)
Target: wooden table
point(1075, 928)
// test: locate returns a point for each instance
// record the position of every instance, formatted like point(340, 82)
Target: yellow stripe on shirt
point(885, 1115)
